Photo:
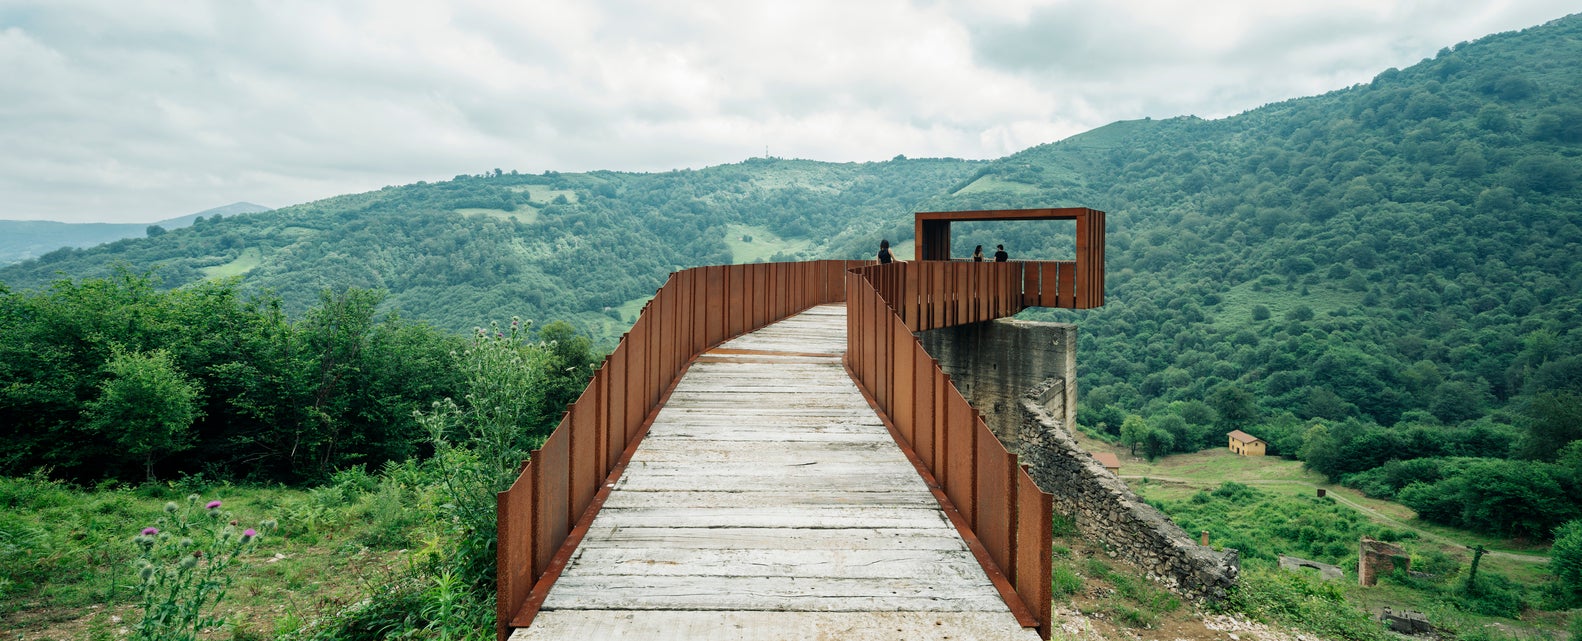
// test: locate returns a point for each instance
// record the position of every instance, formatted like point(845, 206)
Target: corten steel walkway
point(769, 501)
point(728, 473)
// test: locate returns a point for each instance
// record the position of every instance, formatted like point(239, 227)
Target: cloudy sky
point(139, 110)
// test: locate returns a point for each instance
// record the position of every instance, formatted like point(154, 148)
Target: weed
point(185, 568)
point(1065, 582)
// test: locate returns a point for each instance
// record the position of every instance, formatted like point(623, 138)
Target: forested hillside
point(1387, 271)
point(553, 246)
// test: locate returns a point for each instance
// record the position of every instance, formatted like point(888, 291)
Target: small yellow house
point(1246, 444)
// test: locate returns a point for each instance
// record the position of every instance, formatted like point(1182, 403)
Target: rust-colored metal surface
point(1035, 511)
point(996, 522)
point(1003, 583)
point(514, 556)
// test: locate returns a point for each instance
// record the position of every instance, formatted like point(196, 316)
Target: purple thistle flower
point(150, 531)
point(212, 505)
point(249, 532)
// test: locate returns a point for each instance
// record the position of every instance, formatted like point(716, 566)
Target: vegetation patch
point(753, 244)
point(249, 259)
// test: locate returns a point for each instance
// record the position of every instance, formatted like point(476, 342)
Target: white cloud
point(135, 110)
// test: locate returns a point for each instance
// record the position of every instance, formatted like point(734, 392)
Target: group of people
point(1000, 256)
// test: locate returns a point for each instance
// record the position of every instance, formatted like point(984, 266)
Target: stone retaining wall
point(1106, 511)
point(1021, 376)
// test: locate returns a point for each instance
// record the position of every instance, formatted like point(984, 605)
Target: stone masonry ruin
point(1022, 377)
point(1377, 557)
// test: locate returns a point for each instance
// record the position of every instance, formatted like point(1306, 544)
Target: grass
point(524, 213)
point(250, 258)
point(544, 193)
point(1109, 590)
point(1177, 478)
point(630, 309)
point(991, 184)
point(1235, 308)
point(66, 553)
point(764, 244)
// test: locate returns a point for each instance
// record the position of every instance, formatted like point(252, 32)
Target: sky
point(141, 110)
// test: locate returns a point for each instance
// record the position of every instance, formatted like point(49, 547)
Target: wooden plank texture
point(768, 501)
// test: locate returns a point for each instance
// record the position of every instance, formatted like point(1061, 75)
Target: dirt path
point(1375, 514)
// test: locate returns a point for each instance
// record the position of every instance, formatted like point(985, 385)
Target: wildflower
point(248, 534)
point(145, 572)
point(212, 505)
point(233, 521)
point(269, 525)
point(187, 563)
point(144, 541)
point(170, 507)
point(150, 531)
point(186, 542)
point(192, 499)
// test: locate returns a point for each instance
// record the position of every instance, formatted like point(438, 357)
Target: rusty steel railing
point(545, 512)
point(1007, 517)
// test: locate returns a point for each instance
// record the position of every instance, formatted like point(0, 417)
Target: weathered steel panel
point(1034, 536)
point(739, 301)
point(1067, 286)
point(514, 556)
point(584, 445)
point(665, 302)
point(996, 525)
point(902, 395)
point(714, 305)
point(554, 496)
point(636, 371)
point(961, 459)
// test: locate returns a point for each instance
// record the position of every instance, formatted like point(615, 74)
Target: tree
point(1157, 442)
point(154, 231)
point(145, 407)
point(1565, 563)
point(1235, 405)
point(1552, 420)
point(1133, 430)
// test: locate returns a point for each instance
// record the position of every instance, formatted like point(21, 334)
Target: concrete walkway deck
point(769, 502)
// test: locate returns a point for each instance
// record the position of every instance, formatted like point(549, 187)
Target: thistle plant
point(184, 565)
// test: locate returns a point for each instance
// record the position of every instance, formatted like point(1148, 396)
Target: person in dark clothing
point(1000, 256)
point(884, 252)
point(977, 254)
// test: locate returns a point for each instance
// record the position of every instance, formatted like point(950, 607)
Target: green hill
point(1401, 253)
point(552, 246)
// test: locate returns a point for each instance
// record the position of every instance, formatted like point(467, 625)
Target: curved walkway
point(768, 501)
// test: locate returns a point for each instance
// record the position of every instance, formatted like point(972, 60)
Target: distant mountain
point(24, 239)
point(1401, 250)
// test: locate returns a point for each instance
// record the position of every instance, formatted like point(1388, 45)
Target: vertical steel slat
point(995, 492)
point(903, 393)
point(1067, 287)
point(553, 496)
point(1034, 536)
point(963, 458)
point(714, 305)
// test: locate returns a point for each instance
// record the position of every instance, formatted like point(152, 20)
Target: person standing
point(999, 255)
point(977, 254)
point(884, 252)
